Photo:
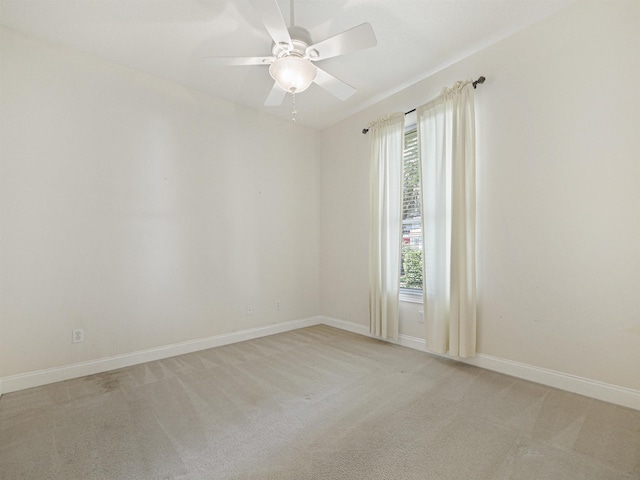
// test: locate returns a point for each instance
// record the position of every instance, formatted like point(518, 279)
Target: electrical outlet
point(249, 310)
point(78, 335)
point(278, 305)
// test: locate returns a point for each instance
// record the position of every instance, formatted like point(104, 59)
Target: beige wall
point(558, 196)
point(142, 211)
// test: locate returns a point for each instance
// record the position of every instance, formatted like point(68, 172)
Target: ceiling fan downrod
point(292, 17)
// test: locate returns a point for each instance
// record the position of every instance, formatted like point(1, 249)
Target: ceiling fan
point(293, 54)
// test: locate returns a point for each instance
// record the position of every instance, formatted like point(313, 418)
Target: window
point(411, 267)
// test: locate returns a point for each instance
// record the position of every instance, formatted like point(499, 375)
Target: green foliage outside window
point(412, 268)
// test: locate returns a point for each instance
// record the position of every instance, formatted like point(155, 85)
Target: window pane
point(411, 270)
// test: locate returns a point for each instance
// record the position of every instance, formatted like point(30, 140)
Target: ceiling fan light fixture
point(293, 74)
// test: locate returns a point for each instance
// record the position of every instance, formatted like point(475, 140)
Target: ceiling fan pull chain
point(293, 107)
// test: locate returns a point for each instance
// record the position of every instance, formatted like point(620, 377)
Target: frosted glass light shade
point(293, 74)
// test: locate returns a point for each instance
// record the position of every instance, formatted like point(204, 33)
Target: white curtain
point(385, 231)
point(446, 129)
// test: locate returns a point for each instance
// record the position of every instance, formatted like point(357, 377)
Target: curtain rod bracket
point(480, 80)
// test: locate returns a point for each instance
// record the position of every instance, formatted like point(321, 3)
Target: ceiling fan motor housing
point(300, 39)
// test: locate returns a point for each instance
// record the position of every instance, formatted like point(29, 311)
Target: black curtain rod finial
point(478, 81)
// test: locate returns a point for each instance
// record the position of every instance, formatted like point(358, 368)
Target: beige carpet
point(315, 403)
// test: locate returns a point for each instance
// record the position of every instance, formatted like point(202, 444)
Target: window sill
point(411, 296)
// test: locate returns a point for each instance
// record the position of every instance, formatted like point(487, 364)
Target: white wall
point(142, 211)
point(558, 196)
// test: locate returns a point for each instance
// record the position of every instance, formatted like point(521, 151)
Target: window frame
point(411, 295)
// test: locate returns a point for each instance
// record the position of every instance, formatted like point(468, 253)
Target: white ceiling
point(168, 38)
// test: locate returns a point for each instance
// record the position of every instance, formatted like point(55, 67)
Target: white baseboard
point(625, 397)
point(345, 325)
point(403, 340)
point(607, 392)
point(57, 374)
point(602, 391)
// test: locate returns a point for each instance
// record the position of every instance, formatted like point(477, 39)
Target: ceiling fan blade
point(276, 96)
point(332, 85)
point(272, 18)
point(226, 61)
point(350, 40)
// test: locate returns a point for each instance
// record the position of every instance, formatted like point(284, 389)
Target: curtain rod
point(480, 80)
